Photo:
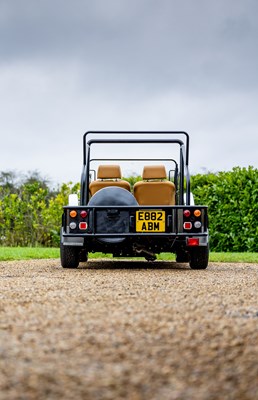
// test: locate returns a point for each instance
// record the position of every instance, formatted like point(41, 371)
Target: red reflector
point(187, 213)
point(83, 213)
point(192, 242)
point(83, 225)
point(187, 225)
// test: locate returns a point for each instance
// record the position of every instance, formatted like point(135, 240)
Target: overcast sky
point(71, 66)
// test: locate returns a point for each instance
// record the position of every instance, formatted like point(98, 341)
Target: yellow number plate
point(150, 221)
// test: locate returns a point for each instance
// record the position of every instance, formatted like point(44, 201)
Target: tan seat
point(108, 175)
point(154, 190)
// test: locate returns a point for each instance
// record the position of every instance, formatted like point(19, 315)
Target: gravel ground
point(128, 330)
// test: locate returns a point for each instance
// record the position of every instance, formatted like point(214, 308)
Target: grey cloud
point(198, 44)
point(140, 64)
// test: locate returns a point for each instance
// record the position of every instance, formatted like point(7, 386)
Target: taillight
point(83, 214)
point(197, 224)
point(73, 213)
point(197, 213)
point(72, 225)
point(187, 213)
point(83, 226)
point(187, 225)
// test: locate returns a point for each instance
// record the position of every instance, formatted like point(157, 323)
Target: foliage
point(232, 198)
point(30, 211)
point(133, 179)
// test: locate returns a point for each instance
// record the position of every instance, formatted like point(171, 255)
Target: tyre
point(182, 256)
point(69, 256)
point(112, 221)
point(83, 256)
point(199, 257)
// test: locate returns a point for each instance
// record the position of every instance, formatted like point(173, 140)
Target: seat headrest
point(154, 172)
point(109, 172)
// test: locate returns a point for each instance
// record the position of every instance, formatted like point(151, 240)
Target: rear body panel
point(120, 222)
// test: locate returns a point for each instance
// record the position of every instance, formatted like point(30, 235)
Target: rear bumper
point(118, 230)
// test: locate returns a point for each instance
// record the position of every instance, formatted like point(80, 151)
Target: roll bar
point(183, 133)
point(184, 156)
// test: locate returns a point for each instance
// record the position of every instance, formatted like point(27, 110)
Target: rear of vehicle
point(152, 216)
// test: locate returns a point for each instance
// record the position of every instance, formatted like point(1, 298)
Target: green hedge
point(30, 212)
point(232, 198)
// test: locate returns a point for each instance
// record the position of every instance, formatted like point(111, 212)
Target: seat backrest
point(108, 175)
point(155, 189)
point(109, 172)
